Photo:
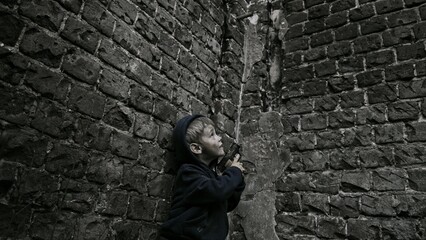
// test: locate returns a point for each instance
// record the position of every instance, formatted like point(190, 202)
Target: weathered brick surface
point(90, 94)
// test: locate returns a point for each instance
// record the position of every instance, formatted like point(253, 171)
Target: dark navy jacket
point(201, 198)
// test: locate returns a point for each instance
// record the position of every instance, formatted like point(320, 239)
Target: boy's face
point(211, 143)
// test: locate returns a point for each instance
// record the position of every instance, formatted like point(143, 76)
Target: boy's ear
point(195, 148)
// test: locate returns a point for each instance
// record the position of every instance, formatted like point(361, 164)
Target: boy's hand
point(236, 163)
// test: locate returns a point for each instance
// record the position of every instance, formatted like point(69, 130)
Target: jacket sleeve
point(202, 189)
point(236, 196)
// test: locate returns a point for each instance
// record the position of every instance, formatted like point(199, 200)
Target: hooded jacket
point(201, 198)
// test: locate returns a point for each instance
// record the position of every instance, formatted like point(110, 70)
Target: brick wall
point(90, 92)
point(352, 103)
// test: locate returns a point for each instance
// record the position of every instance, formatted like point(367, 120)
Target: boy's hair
point(196, 128)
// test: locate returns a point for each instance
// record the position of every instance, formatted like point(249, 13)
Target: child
point(201, 197)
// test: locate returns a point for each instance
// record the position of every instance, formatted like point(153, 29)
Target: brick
point(330, 139)
point(204, 93)
point(16, 107)
point(124, 10)
point(81, 34)
point(369, 78)
point(312, 88)
point(325, 68)
point(367, 43)
point(356, 181)
point(363, 228)
point(72, 5)
point(342, 5)
point(412, 51)
point(92, 135)
point(398, 35)
point(350, 64)
point(419, 31)
point(152, 156)
point(373, 114)
point(48, 14)
point(162, 86)
point(342, 159)
point(25, 146)
point(113, 203)
point(98, 16)
point(160, 185)
point(34, 180)
point(126, 37)
point(135, 178)
point(410, 154)
point(352, 99)
point(314, 122)
point(114, 85)
point(344, 206)
point(141, 208)
point(347, 32)
point(16, 223)
point(113, 55)
point(12, 66)
point(167, 4)
point(376, 157)
point(330, 227)
point(403, 111)
point(165, 20)
point(372, 25)
point(386, 6)
point(309, 161)
point(389, 133)
point(318, 11)
point(382, 93)
point(66, 160)
point(417, 179)
point(395, 229)
point(148, 28)
point(339, 49)
point(164, 138)
point(139, 71)
point(288, 202)
point(182, 14)
point(315, 202)
point(361, 12)
point(289, 224)
point(42, 47)
point(413, 205)
point(399, 72)
point(422, 10)
point(165, 111)
point(150, 54)
point(82, 67)
point(315, 54)
point(336, 20)
point(341, 119)
point(315, 26)
point(290, 124)
point(297, 17)
point(168, 45)
point(124, 145)
point(53, 120)
point(207, 57)
point(293, 182)
point(402, 18)
point(415, 131)
point(104, 170)
point(87, 102)
point(321, 38)
point(381, 205)
point(380, 59)
point(145, 127)
point(412, 89)
point(118, 116)
point(183, 36)
point(11, 27)
point(297, 106)
point(389, 180)
point(421, 68)
point(141, 98)
point(50, 84)
point(327, 103)
point(171, 69)
point(297, 44)
point(301, 141)
point(325, 182)
point(359, 136)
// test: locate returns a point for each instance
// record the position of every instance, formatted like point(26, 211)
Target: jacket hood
point(183, 153)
